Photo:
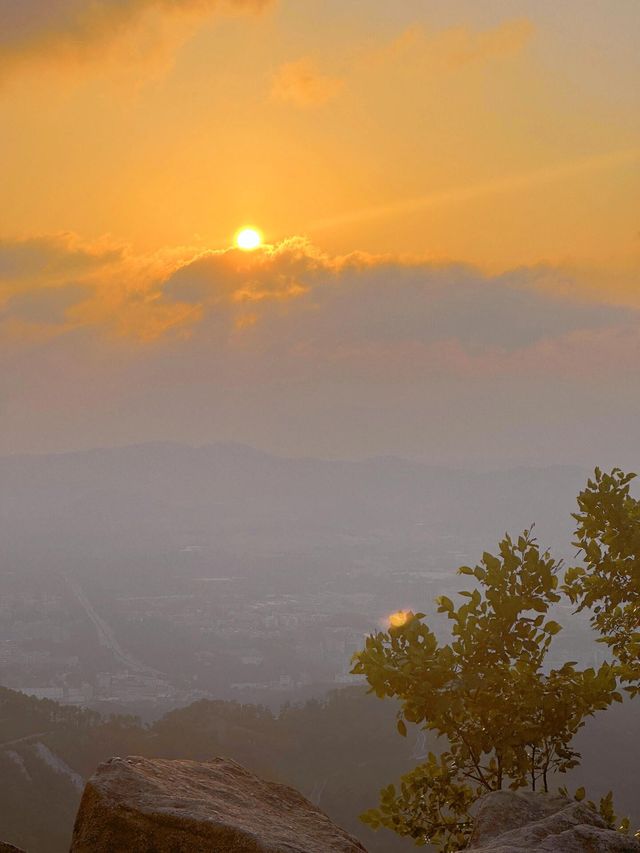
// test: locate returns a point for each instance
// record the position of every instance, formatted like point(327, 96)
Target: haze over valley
point(150, 575)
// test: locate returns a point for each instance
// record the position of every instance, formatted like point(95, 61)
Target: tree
point(608, 537)
point(505, 721)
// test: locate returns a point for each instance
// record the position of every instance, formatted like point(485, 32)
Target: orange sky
point(492, 141)
point(501, 137)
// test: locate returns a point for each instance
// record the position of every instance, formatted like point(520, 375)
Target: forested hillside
point(338, 752)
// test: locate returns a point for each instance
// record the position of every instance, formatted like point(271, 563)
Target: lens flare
point(398, 619)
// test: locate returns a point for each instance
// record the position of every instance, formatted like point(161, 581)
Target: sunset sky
point(449, 195)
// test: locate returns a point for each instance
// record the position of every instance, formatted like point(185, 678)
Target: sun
point(248, 239)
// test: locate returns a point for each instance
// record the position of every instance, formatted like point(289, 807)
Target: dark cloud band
point(43, 27)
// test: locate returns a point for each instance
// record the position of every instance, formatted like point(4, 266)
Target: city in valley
point(260, 592)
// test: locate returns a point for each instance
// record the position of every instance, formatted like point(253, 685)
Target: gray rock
point(159, 806)
point(520, 822)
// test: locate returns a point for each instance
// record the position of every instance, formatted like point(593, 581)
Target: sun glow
point(248, 239)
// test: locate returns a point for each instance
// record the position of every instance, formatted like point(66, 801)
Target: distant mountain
point(83, 511)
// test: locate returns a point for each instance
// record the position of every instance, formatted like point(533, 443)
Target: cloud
point(461, 46)
point(300, 351)
point(52, 257)
point(46, 306)
point(37, 30)
point(52, 284)
point(300, 83)
point(291, 297)
point(296, 294)
point(455, 47)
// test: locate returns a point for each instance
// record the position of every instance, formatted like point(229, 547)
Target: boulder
point(520, 822)
point(146, 805)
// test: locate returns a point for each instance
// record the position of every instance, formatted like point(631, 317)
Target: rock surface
point(159, 806)
point(520, 822)
point(5, 847)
